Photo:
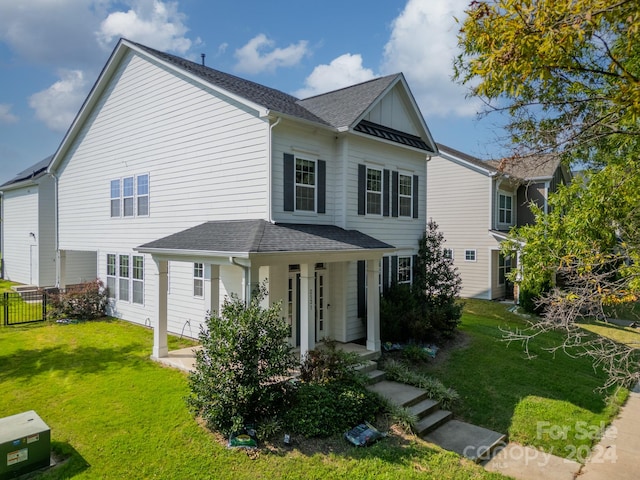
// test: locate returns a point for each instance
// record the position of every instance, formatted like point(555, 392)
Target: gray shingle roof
point(31, 173)
point(341, 108)
point(259, 94)
point(260, 236)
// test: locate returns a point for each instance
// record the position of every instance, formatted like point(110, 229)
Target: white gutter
point(270, 172)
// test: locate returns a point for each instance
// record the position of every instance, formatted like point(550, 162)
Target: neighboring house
point(475, 203)
point(179, 185)
point(27, 223)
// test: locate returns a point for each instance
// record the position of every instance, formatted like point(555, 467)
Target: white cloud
point(343, 71)
point(6, 116)
point(422, 45)
point(58, 105)
point(52, 32)
point(255, 56)
point(154, 23)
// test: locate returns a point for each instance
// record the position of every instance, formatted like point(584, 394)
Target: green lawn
point(551, 402)
point(120, 415)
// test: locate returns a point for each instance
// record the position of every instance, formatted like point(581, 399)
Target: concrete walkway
point(616, 456)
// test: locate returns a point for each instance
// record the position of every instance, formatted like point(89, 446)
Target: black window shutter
point(394, 194)
point(289, 183)
point(385, 193)
point(416, 198)
point(394, 269)
point(385, 274)
point(322, 186)
point(415, 267)
point(362, 189)
point(362, 296)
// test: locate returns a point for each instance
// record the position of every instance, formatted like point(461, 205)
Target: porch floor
point(185, 358)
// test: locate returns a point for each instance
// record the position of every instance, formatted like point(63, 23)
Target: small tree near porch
point(239, 371)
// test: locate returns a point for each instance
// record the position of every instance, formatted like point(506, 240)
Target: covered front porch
point(310, 270)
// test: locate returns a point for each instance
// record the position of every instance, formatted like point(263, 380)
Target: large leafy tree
point(567, 74)
point(566, 71)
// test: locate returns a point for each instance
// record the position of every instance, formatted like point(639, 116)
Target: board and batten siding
point(459, 200)
point(19, 247)
point(205, 154)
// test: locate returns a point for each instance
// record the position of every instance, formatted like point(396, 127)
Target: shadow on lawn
point(69, 462)
point(25, 363)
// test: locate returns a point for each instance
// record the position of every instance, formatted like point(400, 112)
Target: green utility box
point(25, 444)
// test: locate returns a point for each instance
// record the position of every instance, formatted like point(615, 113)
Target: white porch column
point(214, 289)
point(160, 348)
point(307, 312)
point(373, 306)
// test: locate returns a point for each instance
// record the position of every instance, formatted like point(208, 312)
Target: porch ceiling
point(246, 237)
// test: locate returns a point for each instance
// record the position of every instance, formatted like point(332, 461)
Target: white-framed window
point(129, 196)
point(115, 198)
point(112, 275)
point(305, 185)
point(470, 255)
point(447, 253)
point(405, 197)
point(198, 280)
point(125, 277)
point(504, 268)
point(404, 270)
point(505, 209)
point(142, 195)
point(374, 191)
point(137, 279)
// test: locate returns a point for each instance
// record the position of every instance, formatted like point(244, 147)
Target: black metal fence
point(23, 307)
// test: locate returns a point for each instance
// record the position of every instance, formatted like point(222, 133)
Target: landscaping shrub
point(430, 308)
point(332, 395)
point(321, 410)
point(328, 364)
point(85, 301)
point(240, 372)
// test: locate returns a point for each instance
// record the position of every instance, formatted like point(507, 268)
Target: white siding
point(206, 160)
point(394, 111)
point(19, 246)
point(206, 157)
point(459, 200)
point(47, 229)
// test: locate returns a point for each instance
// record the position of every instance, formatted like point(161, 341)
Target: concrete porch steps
point(476, 443)
point(437, 426)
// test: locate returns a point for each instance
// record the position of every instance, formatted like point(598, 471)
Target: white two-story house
point(475, 203)
point(178, 184)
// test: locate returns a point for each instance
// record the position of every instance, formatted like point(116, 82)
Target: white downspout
point(270, 174)
point(57, 229)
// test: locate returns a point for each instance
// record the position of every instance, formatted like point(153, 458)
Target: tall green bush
point(430, 308)
point(240, 372)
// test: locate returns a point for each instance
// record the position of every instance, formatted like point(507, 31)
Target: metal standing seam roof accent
point(391, 134)
point(260, 236)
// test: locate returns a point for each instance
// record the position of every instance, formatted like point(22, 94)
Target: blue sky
point(51, 52)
